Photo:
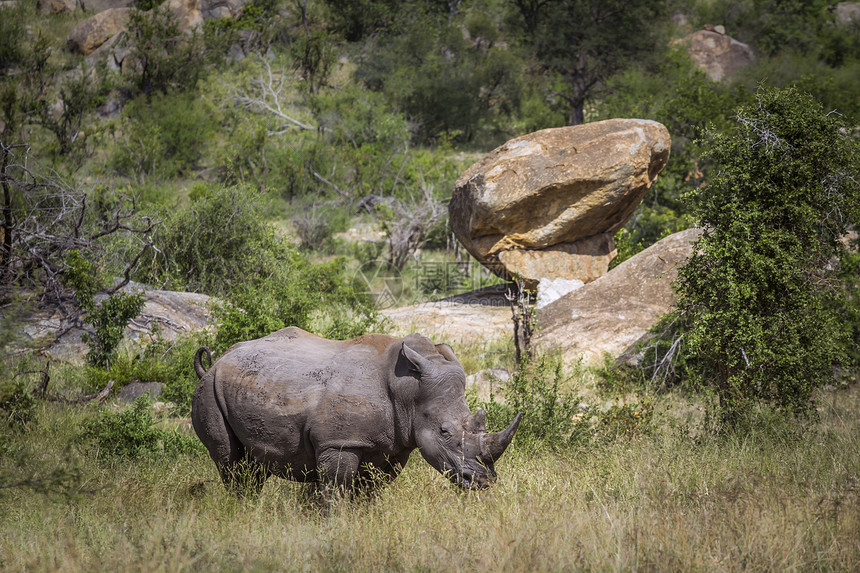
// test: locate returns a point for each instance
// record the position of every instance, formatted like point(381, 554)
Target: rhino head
point(448, 435)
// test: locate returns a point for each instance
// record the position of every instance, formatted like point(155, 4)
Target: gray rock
point(614, 311)
point(91, 33)
point(131, 392)
point(847, 13)
point(486, 382)
point(173, 314)
point(96, 6)
point(718, 55)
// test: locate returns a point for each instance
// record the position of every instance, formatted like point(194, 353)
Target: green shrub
point(163, 136)
point(552, 417)
point(220, 240)
point(109, 318)
point(759, 290)
point(164, 58)
point(131, 434)
point(317, 297)
point(221, 244)
point(625, 421)
point(17, 404)
point(169, 363)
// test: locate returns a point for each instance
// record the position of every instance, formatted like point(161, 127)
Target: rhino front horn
point(494, 445)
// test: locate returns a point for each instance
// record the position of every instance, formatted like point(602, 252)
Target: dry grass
point(666, 502)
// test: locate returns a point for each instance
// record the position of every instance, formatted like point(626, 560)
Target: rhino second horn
point(478, 422)
point(494, 445)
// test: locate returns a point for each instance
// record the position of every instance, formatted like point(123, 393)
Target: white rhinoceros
point(302, 407)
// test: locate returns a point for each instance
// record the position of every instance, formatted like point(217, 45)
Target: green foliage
point(12, 34)
point(164, 58)
point(17, 404)
point(163, 136)
point(109, 320)
point(625, 421)
point(219, 240)
point(320, 298)
point(585, 42)
point(222, 244)
point(657, 363)
point(448, 75)
point(551, 415)
point(849, 275)
point(132, 434)
point(83, 277)
point(757, 290)
point(357, 19)
point(169, 363)
point(771, 26)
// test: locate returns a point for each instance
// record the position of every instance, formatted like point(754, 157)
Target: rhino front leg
point(338, 470)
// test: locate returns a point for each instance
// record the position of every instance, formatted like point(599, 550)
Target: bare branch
point(266, 95)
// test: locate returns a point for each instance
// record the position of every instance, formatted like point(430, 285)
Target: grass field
point(660, 502)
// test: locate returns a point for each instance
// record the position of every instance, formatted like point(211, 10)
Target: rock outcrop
point(480, 316)
point(57, 6)
point(91, 33)
point(546, 205)
point(96, 6)
point(847, 13)
point(221, 8)
point(718, 55)
point(111, 18)
point(173, 313)
point(611, 313)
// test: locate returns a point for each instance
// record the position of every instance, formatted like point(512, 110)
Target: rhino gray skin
point(302, 407)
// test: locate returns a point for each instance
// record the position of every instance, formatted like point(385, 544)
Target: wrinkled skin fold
point(340, 413)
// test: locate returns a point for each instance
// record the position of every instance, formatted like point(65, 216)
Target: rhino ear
point(419, 363)
point(447, 352)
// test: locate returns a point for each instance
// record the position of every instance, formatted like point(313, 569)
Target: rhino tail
point(198, 361)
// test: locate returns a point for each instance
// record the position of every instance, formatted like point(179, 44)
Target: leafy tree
point(587, 41)
point(454, 77)
point(771, 26)
point(759, 289)
point(164, 58)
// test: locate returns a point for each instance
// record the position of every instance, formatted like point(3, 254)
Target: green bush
point(131, 434)
point(625, 421)
point(552, 417)
point(17, 404)
point(759, 290)
point(221, 244)
point(163, 136)
point(109, 318)
point(164, 59)
point(219, 240)
point(169, 363)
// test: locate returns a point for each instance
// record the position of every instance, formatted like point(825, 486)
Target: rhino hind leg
point(238, 471)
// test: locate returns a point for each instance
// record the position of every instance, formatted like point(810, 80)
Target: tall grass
point(771, 501)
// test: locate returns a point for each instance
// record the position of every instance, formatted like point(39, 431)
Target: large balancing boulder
point(546, 205)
